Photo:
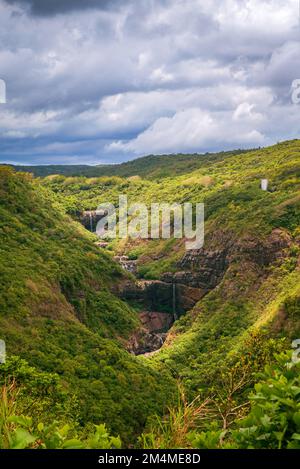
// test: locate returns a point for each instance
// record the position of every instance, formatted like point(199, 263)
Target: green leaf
point(20, 420)
point(265, 420)
point(22, 439)
point(40, 427)
point(296, 418)
point(73, 444)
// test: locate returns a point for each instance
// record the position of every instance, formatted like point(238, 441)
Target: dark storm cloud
point(52, 7)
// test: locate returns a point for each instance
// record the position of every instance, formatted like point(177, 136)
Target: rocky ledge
point(151, 336)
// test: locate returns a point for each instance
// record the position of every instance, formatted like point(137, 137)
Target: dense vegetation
point(27, 390)
point(57, 309)
point(273, 420)
point(229, 187)
point(60, 312)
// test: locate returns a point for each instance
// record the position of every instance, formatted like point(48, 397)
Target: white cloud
point(247, 111)
point(149, 76)
point(192, 130)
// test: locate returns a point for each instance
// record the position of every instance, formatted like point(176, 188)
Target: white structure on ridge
point(264, 184)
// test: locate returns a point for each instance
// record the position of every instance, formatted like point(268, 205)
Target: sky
point(106, 81)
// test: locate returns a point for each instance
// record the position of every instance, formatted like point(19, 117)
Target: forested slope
point(58, 311)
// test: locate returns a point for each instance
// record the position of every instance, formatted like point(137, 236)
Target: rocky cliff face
point(153, 321)
point(262, 252)
point(199, 272)
point(204, 269)
point(163, 296)
point(89, 219)
point(167, 299)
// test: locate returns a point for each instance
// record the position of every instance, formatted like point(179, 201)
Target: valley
point(134, 331)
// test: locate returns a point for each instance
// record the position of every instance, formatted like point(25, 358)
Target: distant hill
point(148, 167)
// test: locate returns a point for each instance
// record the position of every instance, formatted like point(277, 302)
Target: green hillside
point(149, 167)
point(58, 311)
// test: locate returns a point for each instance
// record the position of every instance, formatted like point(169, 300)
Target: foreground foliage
point(20, 432)
point(273, 421)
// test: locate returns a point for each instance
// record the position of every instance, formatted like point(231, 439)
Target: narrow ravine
point(162, 302)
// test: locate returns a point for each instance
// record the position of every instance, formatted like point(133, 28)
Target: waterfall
point(91, 221)
point(174, 301)
point(161, 340)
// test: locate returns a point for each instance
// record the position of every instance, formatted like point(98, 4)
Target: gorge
point(120, 324)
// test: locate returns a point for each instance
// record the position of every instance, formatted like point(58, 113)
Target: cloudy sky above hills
point(104, 81)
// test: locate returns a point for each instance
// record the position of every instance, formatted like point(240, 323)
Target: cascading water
point(174, 302)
